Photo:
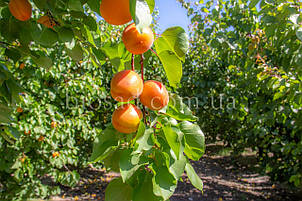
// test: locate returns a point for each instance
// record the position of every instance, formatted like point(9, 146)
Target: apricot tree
point(160, 139)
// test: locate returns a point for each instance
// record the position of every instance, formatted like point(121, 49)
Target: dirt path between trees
point(224, 177)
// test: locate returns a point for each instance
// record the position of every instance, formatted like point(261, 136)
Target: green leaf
point(76, 53)
point(5, 118)
point(44, 36)
point(164, 184)
point(101, 57)
point(144, 191)
point(44, 61)
point(112, 51)
point(89, 36)
point(194, 178)
point(15, 89)
point(172, 139)
point(172, 66)
point(104, 144)
point(141, 14)
point(145, 141)
point(178, 41)
point(112, 162)
point(299, 33)
point(177, 166)
point(13, 133)
point(253, 3)
point(151, 4)
point(13, 54)
point(75, 5)
point(194, 138)
point(129, 164)
point(91, 23)
point(178, 110)
point(65, 34)
point(94, 5)
point(140, 131)
point(117, 190)
point(41, 4)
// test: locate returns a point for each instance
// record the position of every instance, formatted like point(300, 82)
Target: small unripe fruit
point(136, 42)
point(155, 95)
point(126, 118)
point(116, 12)
point(20, 9)
point(126, 86)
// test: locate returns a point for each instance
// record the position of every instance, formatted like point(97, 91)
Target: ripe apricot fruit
point(54, 124)
point(126, 118)
point(155, 95)
point(20, 9)
point(116, 12)
point(126, 86)
point(22, 66)
point(27, 132)
point(136, 42)
point(55, 154)
point(19, 110)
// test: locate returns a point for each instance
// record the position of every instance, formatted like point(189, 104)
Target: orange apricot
point(136, 42)
point(19, 110)
point(116, 12)
point(27, 132)
point(126, 86)
point(55, 154)
point(155, 95)
point(126, 118)
point(54, 125)
point(20, 9)
point(22, 66)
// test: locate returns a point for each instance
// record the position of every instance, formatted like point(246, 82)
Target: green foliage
point(158, 148)
point(63, 119)
point(244, 67)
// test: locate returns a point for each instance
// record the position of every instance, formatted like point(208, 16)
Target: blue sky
point(171, 14)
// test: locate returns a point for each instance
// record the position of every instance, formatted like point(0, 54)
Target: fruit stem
point(132, 62)
point(142, 72)
point(142, 67)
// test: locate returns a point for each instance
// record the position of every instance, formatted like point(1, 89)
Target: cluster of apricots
point(117, 12)
point(126, 86)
